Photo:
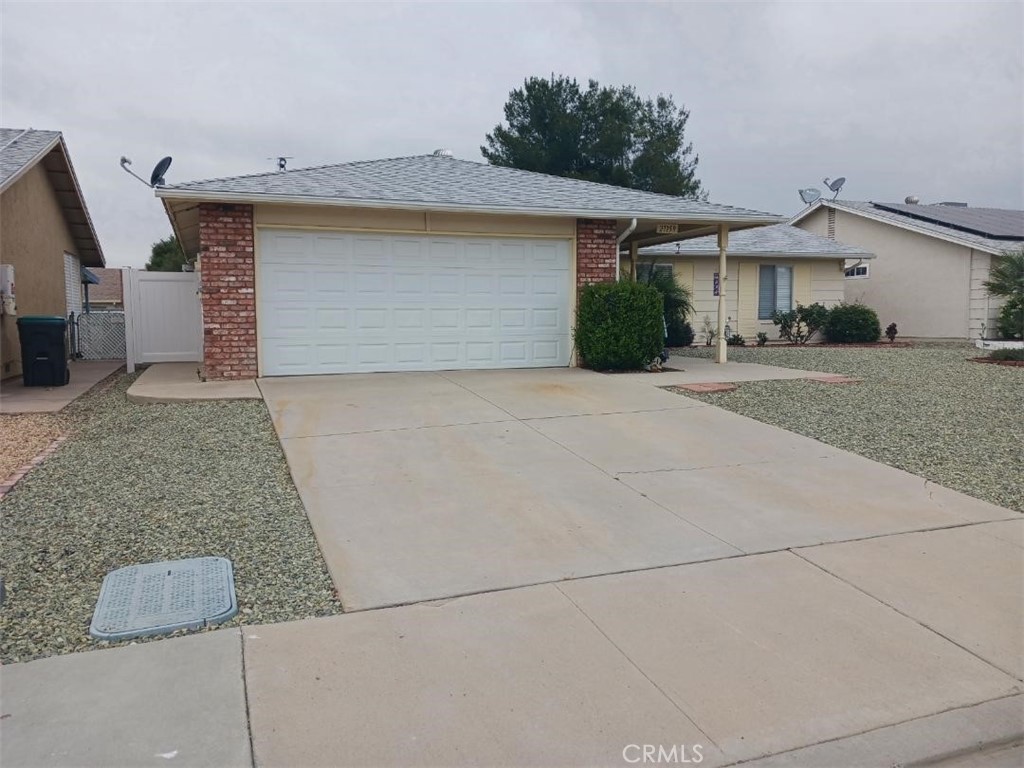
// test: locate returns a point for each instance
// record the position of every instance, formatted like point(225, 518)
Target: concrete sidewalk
point(180, 383)
point(772, 658)
point(15, 397)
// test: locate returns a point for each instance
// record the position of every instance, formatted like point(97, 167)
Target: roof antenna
point(835, 186)
point(282, 162)
point(156, 178)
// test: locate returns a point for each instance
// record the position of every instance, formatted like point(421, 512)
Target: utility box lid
point(159, 598)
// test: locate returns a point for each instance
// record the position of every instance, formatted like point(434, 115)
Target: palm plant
point(1006, 280)
point(1006, 275)
point(678, 303)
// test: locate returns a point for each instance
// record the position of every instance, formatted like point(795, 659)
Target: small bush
point(736, 341)
point(619, 326)
point(680, 333)
point(799, 325)
point(1011, 319)
point(891, 331)
point(708, 331)
point(1006, 354)
point(762, 338)
point(852, 324)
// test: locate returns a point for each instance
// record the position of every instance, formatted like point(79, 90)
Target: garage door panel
point(366, 302)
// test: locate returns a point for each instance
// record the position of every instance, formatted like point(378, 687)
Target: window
point(643, 271)
point(774, 290)
point(861, 270)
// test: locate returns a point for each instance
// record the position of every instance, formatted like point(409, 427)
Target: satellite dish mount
point(156, 178)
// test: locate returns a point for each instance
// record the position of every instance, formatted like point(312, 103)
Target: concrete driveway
point(423, 486)
point(843, 613)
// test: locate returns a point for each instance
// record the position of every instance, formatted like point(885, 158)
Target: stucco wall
point(814, 280)
point(33, 237)
point(930, 288)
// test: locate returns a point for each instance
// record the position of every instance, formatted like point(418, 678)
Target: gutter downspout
point(618, 243)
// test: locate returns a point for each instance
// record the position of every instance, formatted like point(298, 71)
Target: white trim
point(902, 225)
point(241, 197)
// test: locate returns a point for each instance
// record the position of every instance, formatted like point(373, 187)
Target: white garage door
point(341, 303)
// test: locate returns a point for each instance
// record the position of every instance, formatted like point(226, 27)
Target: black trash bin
point(44, 358)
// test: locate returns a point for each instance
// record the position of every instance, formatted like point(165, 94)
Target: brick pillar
point(228, 273)
point(595, 251)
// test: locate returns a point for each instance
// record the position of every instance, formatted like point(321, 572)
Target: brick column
point(595, 251)
point(228, 273)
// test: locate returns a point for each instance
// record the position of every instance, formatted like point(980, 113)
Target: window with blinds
point(774, 290)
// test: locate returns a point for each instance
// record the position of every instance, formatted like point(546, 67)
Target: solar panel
point(995, 223)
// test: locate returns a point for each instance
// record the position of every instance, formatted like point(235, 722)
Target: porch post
point(632, 261)
point(721, 355)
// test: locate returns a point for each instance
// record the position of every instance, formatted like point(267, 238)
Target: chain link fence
point(100, 336)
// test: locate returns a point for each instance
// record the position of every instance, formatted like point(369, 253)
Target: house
point(410, 264)
point(46, 234)
point(932, 261)
point(107, 293)
point(771, 268)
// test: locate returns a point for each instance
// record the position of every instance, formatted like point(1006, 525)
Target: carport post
point(632, 260)
point(723, 243)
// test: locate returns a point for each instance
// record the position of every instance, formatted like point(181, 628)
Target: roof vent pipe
point(443, 153)
point(912, 200)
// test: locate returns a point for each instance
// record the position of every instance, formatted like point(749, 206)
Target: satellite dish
point(835, 186)
point(156, 179)
point(809, 195)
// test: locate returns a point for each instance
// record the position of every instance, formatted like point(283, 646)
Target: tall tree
point(166, 256)
point(601, 133)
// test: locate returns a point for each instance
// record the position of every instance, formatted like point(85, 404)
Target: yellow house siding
point(33, 238)
point(336, 217)
point(802, 283)
point(827, 282)
point(746, 312)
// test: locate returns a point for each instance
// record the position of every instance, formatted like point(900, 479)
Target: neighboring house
point(770, 268)
point(45, 232)
point(410, 264)
point(932, 261)
point(107, 293)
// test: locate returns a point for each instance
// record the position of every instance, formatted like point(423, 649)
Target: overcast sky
point(920, 98)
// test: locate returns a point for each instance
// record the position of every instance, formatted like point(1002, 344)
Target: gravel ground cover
point(24, 435)
point(927, 410)
point(141, 483)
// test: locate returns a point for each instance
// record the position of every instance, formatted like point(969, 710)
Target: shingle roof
point(890, 213)
point(20, 147)
point(430, 181)
point(778, 240)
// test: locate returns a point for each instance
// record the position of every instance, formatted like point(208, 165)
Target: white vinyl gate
point(163, 317)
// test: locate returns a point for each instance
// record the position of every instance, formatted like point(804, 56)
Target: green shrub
point(762, 338)
point(1011, 319)
point(799, 325)
point(852, 324)
point(1006, 354)
point(619, 326)
point(891, 332)
point(736, 341)
point(680, 333)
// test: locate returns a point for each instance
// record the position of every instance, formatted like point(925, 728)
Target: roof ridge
point(347, 164)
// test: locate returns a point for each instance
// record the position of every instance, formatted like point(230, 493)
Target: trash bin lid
point(42, 320)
